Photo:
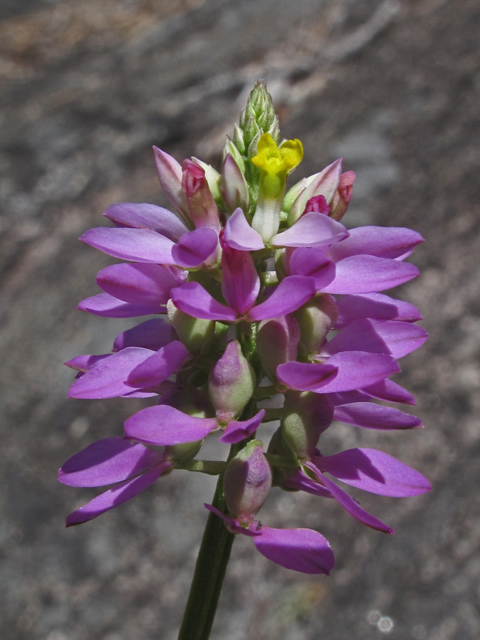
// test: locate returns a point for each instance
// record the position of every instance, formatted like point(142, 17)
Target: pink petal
point(306, 376)
point(350, 505)
point(107, 379)
point(374, 305)
point(302, 550)
point(314, 263)
point(390, 392)
point(107, 306)
point(311, 230)
point(193, 299)
point(146, 216)
point(159, 366)
point(346, 397)
point(375, 416)
point(302, 482)
point(238, 430)
point(139, 245)
point(116, 496)
point(290, 294)
point(241, 284)
point(146, 285)
point(377, 336)
point(384, 242)
point(84, 363)
point(240, 235)
point(369, 274)
point(375, 472)
point(194, 248)
point(163, 425)
point(106, 462)
point(151, 334)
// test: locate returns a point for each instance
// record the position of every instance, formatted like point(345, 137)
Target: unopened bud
point(317, 204)
point(277, 342)
point(182, 452)
point(323, 184)
point(247, 482)
point(238, 140)
point(343, 196)
point(231, 149)
point(277, 447)
point(316, 319)
point(202, 207)
point(170, 177)
point(234, 185)
point(213, 179)
point(306, 416)
point(194, 333)
point(231, 383)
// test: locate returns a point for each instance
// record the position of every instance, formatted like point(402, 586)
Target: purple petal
point(194, 248)
point(159, 366)
point(106, 462)
point(369, 274)
point(139, 245)
point(107, 378)
point(107, 306)
point(374, 416)
point(240, 235)
point(84, 363)
point(314, 263)
point(151, 334)
point(374, 305)
point(390, 392)
point(163, 425)
point(343, 372)
point(302, 550)
point(146, 216)
point(346, 397)
point(193, 299)
point(146, 285)
point(306, 376)
point(290, 294)
point(353, 508)
point(311, 230)
point(377, 336)
point(374, 471)
point(302, 482)
point(241, 284)
point(238, 430)
point(384, 242)
point(116, 496)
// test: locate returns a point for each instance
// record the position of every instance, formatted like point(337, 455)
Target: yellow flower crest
point(275, 160)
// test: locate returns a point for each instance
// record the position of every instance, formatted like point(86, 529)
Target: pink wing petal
point(390, 392)
point(290, 294)
point(375, 416)
point(375, 472)
point(314, 263)
point(377, 336)
point(159, 366)
point(107, 306)
point(195, 247)
point(311, 230)
point(146, 216)
point(107, 379)
point(241, 284)
point(302, 550)
point(369, 274)
point(151, 334)
point(306, 376)
point(238, 430)
point(193, 299)
point(139, 245)
point(146, 285)
point(374, 305)
point(302, 482)
point(163, 425)
point(240, 235)
point(86, 362)
point(116, 496)
point(384, 242)
point(106, 462)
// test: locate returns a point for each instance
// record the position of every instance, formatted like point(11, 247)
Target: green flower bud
point(306, 416)
point(277, 447)
point(213, 180)
point(316, 318)
point(238, 140)
point(277, 342)
point(194, 333)
point(231, 383)
point(182, 452)
point(247, 482)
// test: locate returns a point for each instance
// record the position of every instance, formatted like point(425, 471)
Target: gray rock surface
point(87, 87)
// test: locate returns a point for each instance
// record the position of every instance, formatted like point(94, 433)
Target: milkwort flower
point(252, 280)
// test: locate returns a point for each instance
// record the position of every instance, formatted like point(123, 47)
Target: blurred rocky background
point(87, 86)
